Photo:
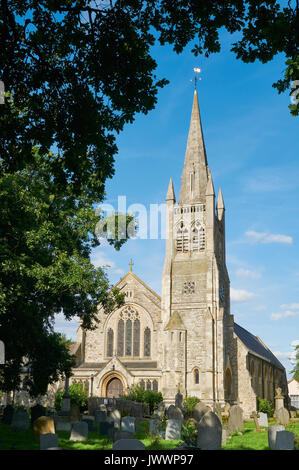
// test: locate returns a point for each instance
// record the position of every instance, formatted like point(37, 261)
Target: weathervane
point(196, 72)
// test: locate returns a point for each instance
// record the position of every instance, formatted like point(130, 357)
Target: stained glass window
point(120, 338)
point(147, 342)
point(136, 346)
point(155, 386)
point(148, 385)
point(110, 343)
point(196, 376)
point(142, 384)
point(128, 338)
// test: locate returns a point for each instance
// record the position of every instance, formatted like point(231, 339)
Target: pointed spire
point(170, 193)
point(210, 187)
point(220, 205)
point(194, 177)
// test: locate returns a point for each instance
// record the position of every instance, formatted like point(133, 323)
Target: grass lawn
point(249, 440)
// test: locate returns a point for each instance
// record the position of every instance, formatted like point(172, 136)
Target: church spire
point(195, 172)
point(170, 193)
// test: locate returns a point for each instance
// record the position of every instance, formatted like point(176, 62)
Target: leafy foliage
point(136, 393)
point(295, 371)
point(78, 396)
point(265, 406)
point(189, 432)
point(189, 404)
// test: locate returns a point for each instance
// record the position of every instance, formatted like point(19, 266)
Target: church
point(187, 339)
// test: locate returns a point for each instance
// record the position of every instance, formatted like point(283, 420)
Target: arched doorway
point(114, 388)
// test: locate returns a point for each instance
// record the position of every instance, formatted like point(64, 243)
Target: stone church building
point(187, 339)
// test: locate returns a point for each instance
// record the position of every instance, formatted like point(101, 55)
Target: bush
point(265, 406)
point(189, 404)
point(78, 396)
point(189, 432)
point(136, 393)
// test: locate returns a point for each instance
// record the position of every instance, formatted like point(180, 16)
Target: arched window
point(136, 345)
point(147, 342)
point(148, 385)
point(120, 338)
point(182, 238)
point(110, 343)
point(155, 386)
point(196, 376)
point(228, 382)
point(142, 384)
point(198, 238)
point(128, 338)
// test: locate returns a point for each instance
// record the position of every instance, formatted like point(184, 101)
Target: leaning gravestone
point(199, 410)
point(128, 424)
point(209, 432)
point(173, 429)
point(263, 419)
point(235, 419)
point(7, 414)
point(79, 431)
point(48, 440)
point(284, 440)
point(20, 420)
point(176, 413)
point(128, 444)
point(43, 425)
point(272, 431)
point(100, 416)
point(36, 412)
point(282, 416)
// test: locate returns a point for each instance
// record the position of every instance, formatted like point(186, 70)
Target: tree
point(295, 371)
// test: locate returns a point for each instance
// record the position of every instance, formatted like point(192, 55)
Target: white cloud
point(247, 274)
point(260, 308)
point(264, 237)
point(239, 295)
point(99, 259)
point(68, 327)
point(293, 306)
point(286, 314)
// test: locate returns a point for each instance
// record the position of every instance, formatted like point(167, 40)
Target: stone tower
point(197, 325)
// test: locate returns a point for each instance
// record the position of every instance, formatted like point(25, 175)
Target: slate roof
point(256, 346)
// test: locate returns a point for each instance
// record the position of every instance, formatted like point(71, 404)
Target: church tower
point(197, 325)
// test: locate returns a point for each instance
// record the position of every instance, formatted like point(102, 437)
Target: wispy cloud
point(247, 274)
point(260, 308)
point(99, 259)
point(265, 237)
point(285, 314)
point(293, 306)
point(240, 295)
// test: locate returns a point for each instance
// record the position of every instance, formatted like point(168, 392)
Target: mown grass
point(248, 440)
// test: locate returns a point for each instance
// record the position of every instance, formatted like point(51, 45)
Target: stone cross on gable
point(131, 264)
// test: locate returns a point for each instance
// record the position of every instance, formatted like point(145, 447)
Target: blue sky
point(251, 140)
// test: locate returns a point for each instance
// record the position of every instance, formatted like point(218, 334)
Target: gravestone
point(48, 440)
point(179, 400)
point(235, 419)
point(284, 440)
point(75, 414)
point(43, 425)
point(272, 431)
point(79, 431)
point(118, 435)
point(155, 424)
point(20, 420)
point(263, 419)
point(116, 417)
point(90, 424)
point(209, 432)
point(128, 444)
point(63, 426)
point(176, 413)
point(282, 416)
point(100, 416)
point(7, 414)
point(279, 400)
point(199, 410)
point(106, 428)
point(36, 412)
point(161, 409)
point(169, 410)
point(257, 426)
point(173, 429)
point(128, 424)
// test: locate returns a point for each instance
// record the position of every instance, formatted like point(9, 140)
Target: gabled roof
point(256, 346)
point(175, 322)
point(131, 274)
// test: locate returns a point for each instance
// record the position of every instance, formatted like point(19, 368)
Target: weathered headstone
point(235, 419)
point(254, 417)
point(199, 410)
point(128, 444)
point(118, 435)
point(179, 400)
point(106, 428)
point(20, 420)
point(209, 432)
point(173, 429)
point(48, 440)
point(63, 426)
point(279, 399)
point(75, 414)
point(155, 424)
point(263, 419)
point(100, 416)
point(282, 416)
point(43, 425)
point(175, 413)
point(284, 440)
point(7, 414)
point(128, 424)
point(169, 410)
point(79, 431)
point(272, 431)
point(115, 415)
point(36, 412)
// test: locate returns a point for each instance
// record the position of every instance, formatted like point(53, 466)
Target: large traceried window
point(128, 333)
point(182, 238)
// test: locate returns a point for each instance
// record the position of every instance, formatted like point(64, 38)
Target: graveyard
point(166, 429)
